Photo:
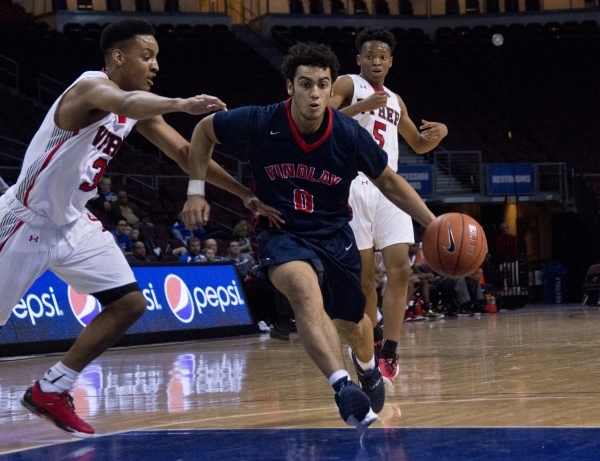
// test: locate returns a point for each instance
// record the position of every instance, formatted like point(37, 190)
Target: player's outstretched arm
point(401, 194)
point(99, 93)
point(420, 141)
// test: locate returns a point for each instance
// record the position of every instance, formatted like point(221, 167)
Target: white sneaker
point(262, 326)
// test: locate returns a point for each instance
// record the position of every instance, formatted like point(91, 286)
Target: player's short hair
point(310, 54)
point(381, 34)
point(121, 31)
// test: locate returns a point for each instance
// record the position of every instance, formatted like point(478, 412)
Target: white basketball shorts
point(82, 254)
point(376, 222)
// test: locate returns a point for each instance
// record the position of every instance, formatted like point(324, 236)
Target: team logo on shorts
point(84, 307)
point(179, 298)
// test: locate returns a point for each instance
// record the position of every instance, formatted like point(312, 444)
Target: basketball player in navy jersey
point(303, 157)
point(43, 220)
point(377, 224)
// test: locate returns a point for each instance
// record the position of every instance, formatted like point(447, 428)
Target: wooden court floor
point(501, 378)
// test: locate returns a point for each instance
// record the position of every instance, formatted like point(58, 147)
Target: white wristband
point(195, 187)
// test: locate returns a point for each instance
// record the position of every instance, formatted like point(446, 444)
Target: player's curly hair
point(310, 54)
point(381, 34)
point(120, 31)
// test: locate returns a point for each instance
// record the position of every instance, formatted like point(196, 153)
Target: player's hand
point(202, 104)
point(259, 208)
point(375, 101)
point(433, 131)
point(195, 212)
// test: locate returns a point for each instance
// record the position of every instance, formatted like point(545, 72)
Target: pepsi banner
point(420, 177)
point(511, 179)
point(179, 297)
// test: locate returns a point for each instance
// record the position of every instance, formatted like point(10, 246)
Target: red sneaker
point(57, 408)
point(389, 369)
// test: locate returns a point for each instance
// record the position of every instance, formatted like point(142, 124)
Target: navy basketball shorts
point(335, 259)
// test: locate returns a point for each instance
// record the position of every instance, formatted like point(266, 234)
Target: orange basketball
point(454, 245)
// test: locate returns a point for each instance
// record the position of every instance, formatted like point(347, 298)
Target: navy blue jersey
point(308, 183)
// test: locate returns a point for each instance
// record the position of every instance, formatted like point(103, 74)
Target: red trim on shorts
point(44, 165)
point(307, 147)
point(11, 234)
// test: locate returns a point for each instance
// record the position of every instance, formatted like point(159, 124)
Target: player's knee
point(131, 306)
point(399, 272)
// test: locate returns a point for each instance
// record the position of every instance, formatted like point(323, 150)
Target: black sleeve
point(235, 126)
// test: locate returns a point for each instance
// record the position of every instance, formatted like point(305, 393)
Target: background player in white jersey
point(43, 220)
point(376, 222)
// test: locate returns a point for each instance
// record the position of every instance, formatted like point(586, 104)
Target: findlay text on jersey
point(289, 170)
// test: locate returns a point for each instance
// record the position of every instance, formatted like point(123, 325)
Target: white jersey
point(62, 169)
point(382, 123)
point(377, 222)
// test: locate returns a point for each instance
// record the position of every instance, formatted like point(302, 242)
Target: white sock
point(367, 365)
point(59, 378)
point(337, 375)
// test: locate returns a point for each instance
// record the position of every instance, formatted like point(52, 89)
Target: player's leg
point(367, 282)
point(299, 282)
point(394, 232)
point(91, 262)
point(345, 303)
point(24, 256)
point(395, 258)
point(363, 201)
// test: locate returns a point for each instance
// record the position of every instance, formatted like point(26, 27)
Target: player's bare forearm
point(201, 149)
point(217, 176)
point(401, 194)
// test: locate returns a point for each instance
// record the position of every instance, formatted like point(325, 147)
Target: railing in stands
point(49, 86)
point(10, 68)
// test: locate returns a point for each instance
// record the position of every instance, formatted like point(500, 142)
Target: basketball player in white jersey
point(43, 220)
point(376, 222)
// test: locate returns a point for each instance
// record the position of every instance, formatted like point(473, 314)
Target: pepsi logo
point(179, 298)
point(84, 307)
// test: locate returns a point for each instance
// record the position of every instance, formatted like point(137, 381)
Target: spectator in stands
point(122, 239)
point(420, 279)
point(209, 254)
point(193, 253)
point(135, 236)
point(507, 245)
point(212, 244)
point(405, 7)
point(123, 208)
point(137, 255)
point(243, 261)
point(241, 233)
point(337, 7)
point(465, 293)
point(182, 233)
point(382, 7)
point(105, 197)
point(128, 230)
point(316, 7)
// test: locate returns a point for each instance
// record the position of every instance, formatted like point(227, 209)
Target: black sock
point(388, 350)
point(377, 333)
